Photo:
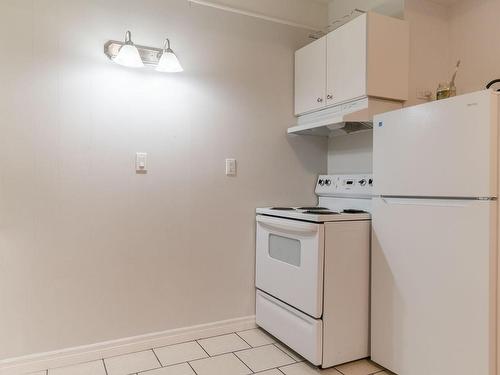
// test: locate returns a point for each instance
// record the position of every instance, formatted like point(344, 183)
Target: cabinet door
point(346, 61)
point(310, 77)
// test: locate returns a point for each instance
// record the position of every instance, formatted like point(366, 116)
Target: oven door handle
point(288, 225)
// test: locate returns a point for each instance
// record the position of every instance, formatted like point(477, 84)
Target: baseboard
point(66, 357)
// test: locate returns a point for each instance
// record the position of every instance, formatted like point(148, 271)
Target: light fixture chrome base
point(150, 56)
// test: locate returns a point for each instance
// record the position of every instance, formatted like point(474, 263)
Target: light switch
point(230, 167)
point(141, 159)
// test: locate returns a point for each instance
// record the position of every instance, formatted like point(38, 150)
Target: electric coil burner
point(320, 212)
point(312, 208)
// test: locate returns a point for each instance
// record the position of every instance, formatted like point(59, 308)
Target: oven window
point(284, 249)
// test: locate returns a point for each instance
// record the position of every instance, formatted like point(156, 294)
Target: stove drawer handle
point(288, 226)
point(283, 306)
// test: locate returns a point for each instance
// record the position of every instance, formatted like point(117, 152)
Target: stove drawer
point(289, 262)
point(294, 328)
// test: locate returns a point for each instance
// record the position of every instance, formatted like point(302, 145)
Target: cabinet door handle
point(320, 100)
point(329, 97)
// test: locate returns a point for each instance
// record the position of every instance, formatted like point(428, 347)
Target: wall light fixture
point(132, 55)
point(128, 55)
point(168, 61)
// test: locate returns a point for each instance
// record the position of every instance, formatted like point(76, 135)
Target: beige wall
point(475, 30)
point(440, 35)
point(91, 251)
point(429, 46)
point(350, 153)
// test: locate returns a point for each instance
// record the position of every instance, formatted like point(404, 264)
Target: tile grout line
point(143, 371)
point(198, 339)
point(255, 347)
point(261, 372)
point(153, 350)
point(156, 356)
point(246, 342)
point(166, 366)
point(140, 372)
point(192, 340)
point(211, 337)
point(248, 367)
point(215, 356)
point(105, 368)
point(370, 373)
point(201, 346)
point(288, 355)
point(250, 329)
point(274, 339)
point(220, 355)
point(192, 368)
point(123, 355)
point(74, 364)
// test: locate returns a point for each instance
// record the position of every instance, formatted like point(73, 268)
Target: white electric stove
point(312, 271)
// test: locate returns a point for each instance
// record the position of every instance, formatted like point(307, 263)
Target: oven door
point(289, 262)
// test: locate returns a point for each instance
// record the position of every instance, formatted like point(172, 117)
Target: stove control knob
point(328, 182)
point(362, 182)
point(321, 182)
point(370, 181)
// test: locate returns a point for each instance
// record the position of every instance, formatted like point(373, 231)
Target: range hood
point(343, 119)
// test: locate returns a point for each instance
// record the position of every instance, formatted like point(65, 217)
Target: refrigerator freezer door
point(446, 148)
point(434, 285)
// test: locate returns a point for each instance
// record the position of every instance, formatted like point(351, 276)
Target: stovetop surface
point(340, 198)
point(315, 214)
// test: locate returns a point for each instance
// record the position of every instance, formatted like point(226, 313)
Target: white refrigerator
point(434, 245)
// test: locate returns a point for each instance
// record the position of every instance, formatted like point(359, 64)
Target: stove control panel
point(350, 185)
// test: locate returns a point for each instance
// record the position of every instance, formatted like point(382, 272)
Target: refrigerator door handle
point(433, 202)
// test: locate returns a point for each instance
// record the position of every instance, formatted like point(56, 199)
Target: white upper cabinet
point(310, 77)
point(368, 56)
point(346, 57)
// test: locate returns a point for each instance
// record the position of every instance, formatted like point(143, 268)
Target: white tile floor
point(240, 353)
point(179, 353)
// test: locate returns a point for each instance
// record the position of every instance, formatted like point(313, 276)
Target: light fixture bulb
point(169, 63)
point(128, 55)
